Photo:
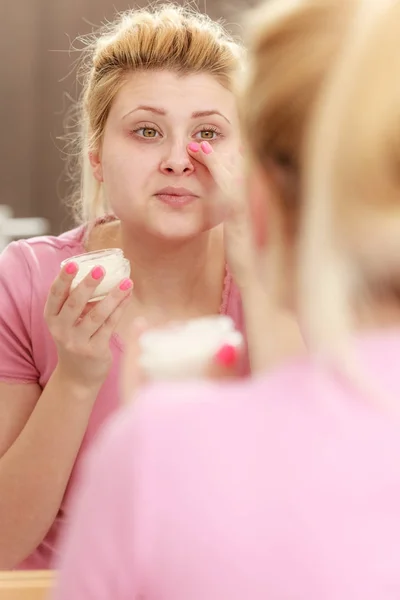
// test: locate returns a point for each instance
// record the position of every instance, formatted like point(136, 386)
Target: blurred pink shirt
point(285, 487)
point(27, 350)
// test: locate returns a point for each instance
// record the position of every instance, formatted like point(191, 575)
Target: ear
point(258, 194)
point(97, 168)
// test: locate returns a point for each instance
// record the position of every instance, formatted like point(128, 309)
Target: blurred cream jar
point(185, 350)
point(115, 265)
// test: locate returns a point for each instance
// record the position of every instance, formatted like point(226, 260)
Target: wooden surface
point(25, 585)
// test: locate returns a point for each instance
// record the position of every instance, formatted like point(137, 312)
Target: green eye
point(207, 135)
point(148, 132)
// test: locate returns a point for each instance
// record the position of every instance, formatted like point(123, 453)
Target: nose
point(177, 162)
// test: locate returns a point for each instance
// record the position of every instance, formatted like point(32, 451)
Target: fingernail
point(126, 284)
point(98, 272)
point(71, 268)
point(194, 147)
point(226, 355)
point(206, 147)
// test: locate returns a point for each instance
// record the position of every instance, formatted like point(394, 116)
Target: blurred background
point(37, 76)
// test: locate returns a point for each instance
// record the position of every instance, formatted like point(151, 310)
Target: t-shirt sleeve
point(16, 357)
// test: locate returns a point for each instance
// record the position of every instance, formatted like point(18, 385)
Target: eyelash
point(145, 126)
point(212, 128)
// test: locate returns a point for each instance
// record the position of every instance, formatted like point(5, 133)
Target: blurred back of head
point(293, 46)
point(350, 248)
point(320, 109)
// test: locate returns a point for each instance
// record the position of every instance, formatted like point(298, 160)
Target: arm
point(272, 331)
point(40, 436)
point(41, 431)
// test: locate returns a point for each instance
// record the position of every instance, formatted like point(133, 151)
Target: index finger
point(60, 289)
point(215, 163)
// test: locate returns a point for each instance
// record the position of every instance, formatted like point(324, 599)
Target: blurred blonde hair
point(351, 223)
point(162, 37)
point(292, 47)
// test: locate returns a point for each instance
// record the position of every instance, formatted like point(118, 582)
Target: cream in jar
point(115, 265)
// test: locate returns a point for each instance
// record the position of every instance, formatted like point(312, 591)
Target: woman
point(286, 485)
point(157, 85)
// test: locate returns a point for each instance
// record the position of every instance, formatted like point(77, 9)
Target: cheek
point(128, 170)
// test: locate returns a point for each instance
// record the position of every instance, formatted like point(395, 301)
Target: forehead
point(174, 93)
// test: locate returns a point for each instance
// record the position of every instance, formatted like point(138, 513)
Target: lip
point(175, 191)
point(176, 197)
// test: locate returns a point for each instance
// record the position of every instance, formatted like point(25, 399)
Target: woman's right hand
point(228, 175)
point(82, 332)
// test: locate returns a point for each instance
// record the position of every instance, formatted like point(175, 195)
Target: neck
point(182, 278)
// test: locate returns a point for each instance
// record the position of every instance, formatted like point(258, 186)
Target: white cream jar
point(115, 265)
point(185, 350)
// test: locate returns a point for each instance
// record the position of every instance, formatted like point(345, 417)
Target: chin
point(179, 228)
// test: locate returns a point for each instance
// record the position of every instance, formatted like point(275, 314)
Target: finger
point(76, 301)
point(132, 377)
point(104, 309)
point(101, 339)
point(60, 289)
point(89, 306)
point(225, 363)
point(215, 163)
point(226, 172)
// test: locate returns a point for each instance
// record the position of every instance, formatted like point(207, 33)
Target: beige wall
point(34, 81)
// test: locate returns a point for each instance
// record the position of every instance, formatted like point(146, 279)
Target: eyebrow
point(208, 113)
point(195, 115)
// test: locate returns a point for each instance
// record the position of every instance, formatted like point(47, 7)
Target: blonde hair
point(167, 37)
point(322, 97)
point(292, 46)
point(351, 225)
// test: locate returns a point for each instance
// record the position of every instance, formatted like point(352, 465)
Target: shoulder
point(49, 246)
point(40, 257)
point(172, 416)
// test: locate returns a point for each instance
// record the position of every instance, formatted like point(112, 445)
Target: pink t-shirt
point(27, 350)
point(284, 487)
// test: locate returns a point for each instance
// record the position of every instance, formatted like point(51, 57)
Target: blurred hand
point(224, 363)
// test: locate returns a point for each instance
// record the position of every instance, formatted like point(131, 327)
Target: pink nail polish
point(71, 268)
point(126, 284)
point(98, 272)
point(226, 355)
point(194, 147)
point(206, 147)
